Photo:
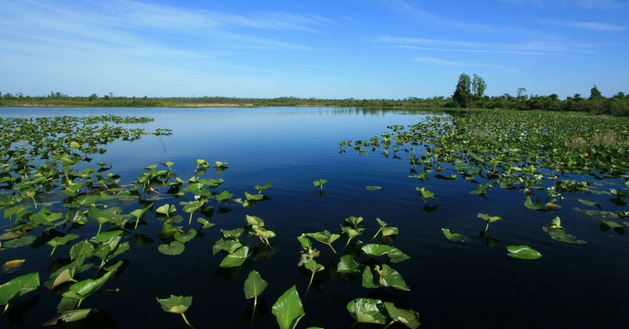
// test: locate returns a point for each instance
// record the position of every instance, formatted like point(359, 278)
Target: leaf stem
point(190, 221)
point(377, 233)
point(100, 226)
point(186, 320)
point(333, 250)
point(53, 250)
point(6, 307)
point(388, 325)
point(310, 283)
point(486, 227)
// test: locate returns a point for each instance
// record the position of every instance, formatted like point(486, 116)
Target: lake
point(452, 285)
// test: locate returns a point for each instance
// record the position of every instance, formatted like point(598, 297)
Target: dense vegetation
point(469, 93)
point(548, 156)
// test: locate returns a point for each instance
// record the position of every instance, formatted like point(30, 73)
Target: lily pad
point(235, 259)
point(365, 310)
point(456, 237)
point(288, 309)
point(172, 249)
point(523, 252)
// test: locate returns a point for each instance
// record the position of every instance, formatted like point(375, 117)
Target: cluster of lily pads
point(288, 309)
point(547, 156)
point(49, 190)
point(43, 192)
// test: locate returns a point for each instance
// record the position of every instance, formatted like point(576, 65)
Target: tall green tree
point(595, 93)
point(462, 94)
point(478, 86)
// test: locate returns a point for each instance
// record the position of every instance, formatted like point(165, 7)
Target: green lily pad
point(523, 252)
point(235, 259)
point(288, 309)
point(18, 287)
point(365, 310)
point(561, 236)
point(407, 317)
point(187, 236)
point(456, 237)
point(26, 240)
point(347, 265)
point(70, 316)
point(175, 304)
point(172, 249)
point(254, 285)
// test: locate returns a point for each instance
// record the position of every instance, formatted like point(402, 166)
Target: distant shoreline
point(183, 105)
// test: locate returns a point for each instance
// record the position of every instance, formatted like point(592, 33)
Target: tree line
point(469, 93)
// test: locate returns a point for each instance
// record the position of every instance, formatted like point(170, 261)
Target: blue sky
point(324, 49)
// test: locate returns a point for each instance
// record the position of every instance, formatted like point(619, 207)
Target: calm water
point(452, 285)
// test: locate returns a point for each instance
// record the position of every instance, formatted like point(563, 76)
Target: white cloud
point(439, 61)
point(524, 48)
point(587, 25)
point(586, 4)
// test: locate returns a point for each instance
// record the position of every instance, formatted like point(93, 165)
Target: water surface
point(452, 285)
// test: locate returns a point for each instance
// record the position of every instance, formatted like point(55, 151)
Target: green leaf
point(288, 309)
point(319, 182)
point(226, 245)
point(456, 237)
point(390, 231)
point(389, 277)
point(233, 234)
point(60, 241)
point(324, 237)
point(260, 189)
point(166, 209)
point(220, 164)
point(85, 288)
point(368, 279)
point(70, 316)
point(407, 317)
point(561, 236)
point(81, 249)
point(173, 249)
point(18, 287)
point(304, 241)
point(223, 197)
point(253, 220)
point(365, 310)
point(347, 265)
point(254, 285)
point(175, 304)
point(105, 237)
point(376, 250)
point(536, 205)
point(191, 207)
point(253, 197)
point(185, 237)
point(523, 252)
point(204, 223)
point(352, 232)
point(235, 259)
point(489, 219)
point(26, 240)
point(353, 221)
